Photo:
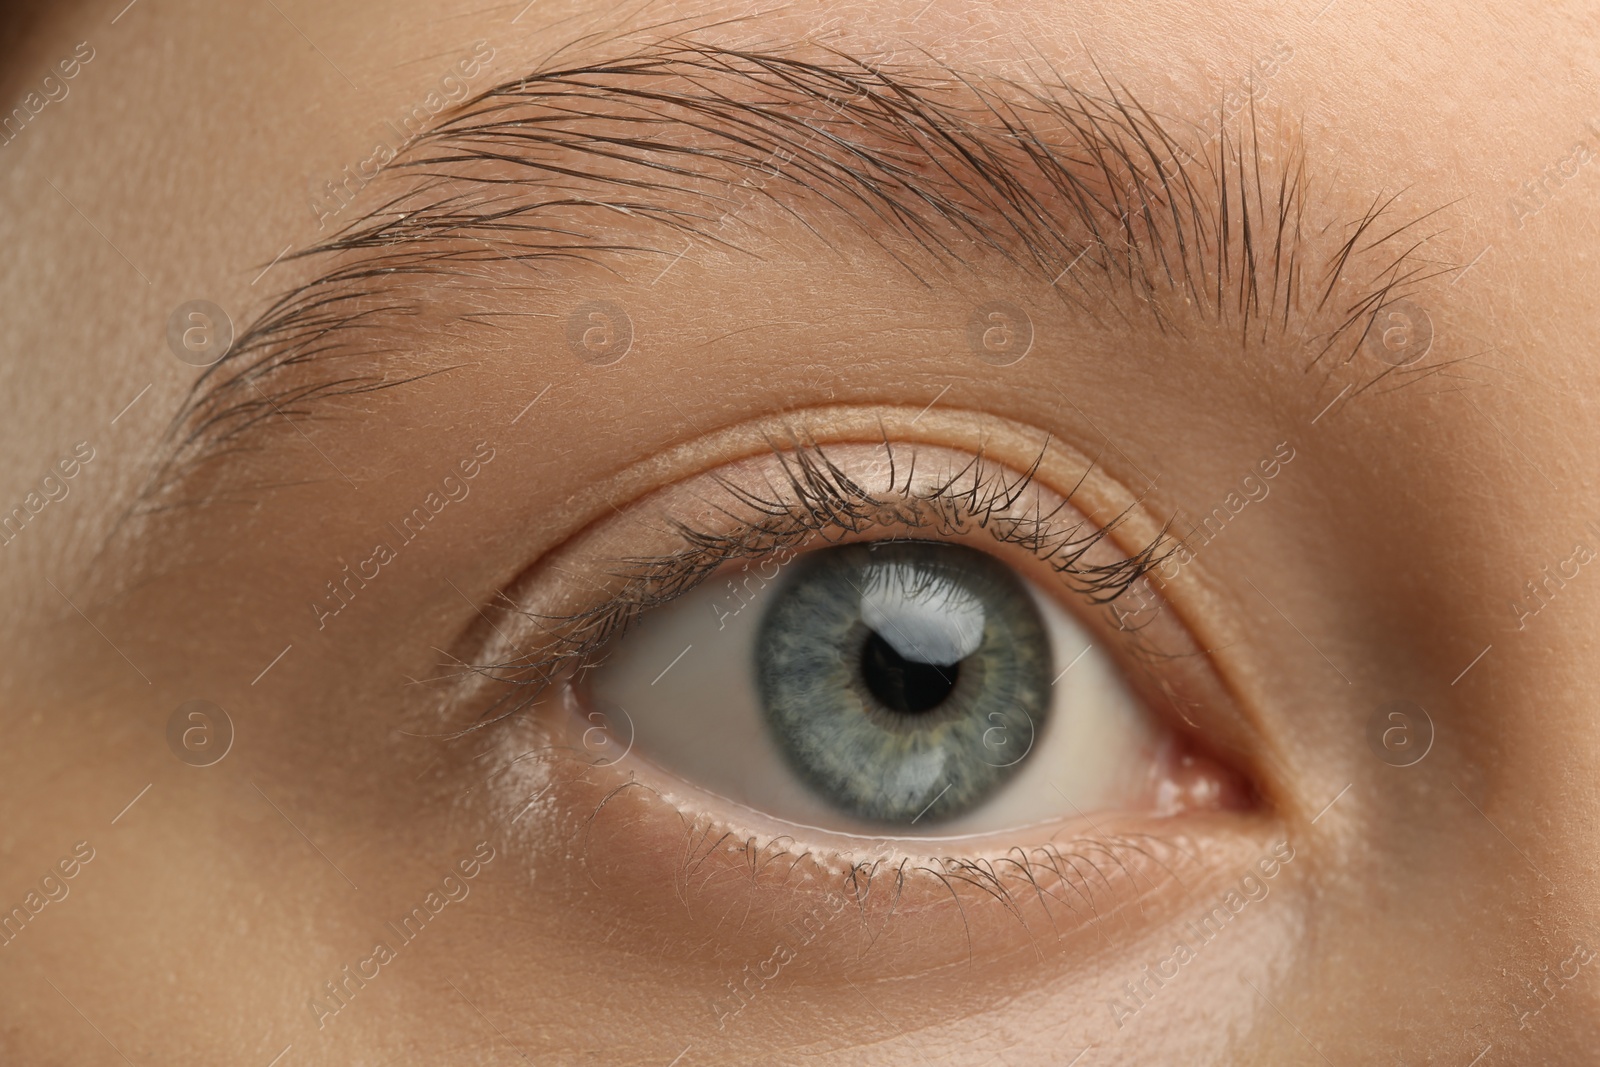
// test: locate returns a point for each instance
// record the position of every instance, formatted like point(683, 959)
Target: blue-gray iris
point(903, 679)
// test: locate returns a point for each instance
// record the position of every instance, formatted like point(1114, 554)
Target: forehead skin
point(1421, 910)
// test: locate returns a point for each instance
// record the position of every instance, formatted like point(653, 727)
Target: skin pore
point(802, 217)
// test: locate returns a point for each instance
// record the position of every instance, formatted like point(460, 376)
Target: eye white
point(681, 688)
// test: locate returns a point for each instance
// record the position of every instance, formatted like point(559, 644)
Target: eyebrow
point(1123, 213)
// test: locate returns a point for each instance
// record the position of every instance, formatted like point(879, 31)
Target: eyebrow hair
point(1121, 211)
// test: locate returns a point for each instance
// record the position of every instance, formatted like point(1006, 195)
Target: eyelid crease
point(823, 503)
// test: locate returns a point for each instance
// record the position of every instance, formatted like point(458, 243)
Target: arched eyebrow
point(626, 156)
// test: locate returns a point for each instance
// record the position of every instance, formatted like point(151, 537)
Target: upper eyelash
point(825, 503)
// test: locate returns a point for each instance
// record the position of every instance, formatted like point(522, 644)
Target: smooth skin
point(1424, 915)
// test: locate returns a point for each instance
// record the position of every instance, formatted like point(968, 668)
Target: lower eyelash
point(1081, 881)
point(822, 502)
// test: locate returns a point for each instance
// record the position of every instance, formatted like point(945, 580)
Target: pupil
point(904, 685)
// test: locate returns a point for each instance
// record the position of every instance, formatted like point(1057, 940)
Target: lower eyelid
point(711, 887)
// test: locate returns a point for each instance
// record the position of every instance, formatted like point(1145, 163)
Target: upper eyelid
point(649, 582)
point(949, 159)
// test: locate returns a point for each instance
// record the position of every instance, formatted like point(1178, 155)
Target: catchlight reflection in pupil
point(886, 670)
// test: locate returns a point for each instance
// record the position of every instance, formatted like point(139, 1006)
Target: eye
point(868, 646)
point(891, 685)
